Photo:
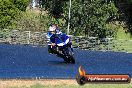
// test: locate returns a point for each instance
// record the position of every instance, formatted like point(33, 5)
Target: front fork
point(68, 49)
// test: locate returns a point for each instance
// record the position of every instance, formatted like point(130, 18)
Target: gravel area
point(28, 83)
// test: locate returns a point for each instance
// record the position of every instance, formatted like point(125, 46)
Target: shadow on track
point(59, 63)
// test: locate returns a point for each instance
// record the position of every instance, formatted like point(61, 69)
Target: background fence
point(82, 42)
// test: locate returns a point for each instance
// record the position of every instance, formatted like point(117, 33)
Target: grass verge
point(55, 83)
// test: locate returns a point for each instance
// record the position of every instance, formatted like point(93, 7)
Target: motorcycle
point(63, 48)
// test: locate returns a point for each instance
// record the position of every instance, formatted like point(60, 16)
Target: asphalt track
point(19, 61)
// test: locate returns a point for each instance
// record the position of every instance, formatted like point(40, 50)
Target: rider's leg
point(50, 50)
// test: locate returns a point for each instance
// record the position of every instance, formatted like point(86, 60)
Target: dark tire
point(72, 60)
point(67, 55)
point(69, 58)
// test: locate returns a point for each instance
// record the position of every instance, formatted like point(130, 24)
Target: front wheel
point(72, 60)
point(69, 56)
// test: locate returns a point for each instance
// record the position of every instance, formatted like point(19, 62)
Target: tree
point(31, 21)
point(125, 8)
point(88, 17)
point(54, 7)
point(20, 4)
point(9, 10)
point(7, 13)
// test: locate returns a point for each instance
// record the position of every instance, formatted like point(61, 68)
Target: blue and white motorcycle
point(63, 47)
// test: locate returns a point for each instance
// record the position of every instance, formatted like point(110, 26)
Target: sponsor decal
point(83, 78)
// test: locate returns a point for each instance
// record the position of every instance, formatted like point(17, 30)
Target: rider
point(51, 35)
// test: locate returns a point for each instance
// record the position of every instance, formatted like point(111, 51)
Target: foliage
point(92, 17)
point(125, 8)
point(87, 16)
point(9, 10)
point(30, 21)
point(20, 4)
point(7, 13)
point(55, 7)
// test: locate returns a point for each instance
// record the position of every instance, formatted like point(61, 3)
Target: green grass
point(122, 35)
point(123, 41)
point(84, 86)
point(122, 46)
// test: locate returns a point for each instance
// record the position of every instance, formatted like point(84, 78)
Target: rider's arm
point(48, 38)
